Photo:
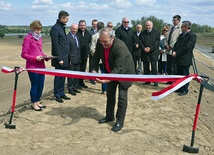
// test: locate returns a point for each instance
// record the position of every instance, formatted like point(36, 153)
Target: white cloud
point(121, 4)
point(5, 6)
point(145, 2)
point(43, 2)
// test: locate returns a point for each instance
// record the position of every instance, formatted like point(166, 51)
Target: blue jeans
point(37, 85)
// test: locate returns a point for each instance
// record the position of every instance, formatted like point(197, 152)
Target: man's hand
point(61, 62)
point(147, 49)
point(93, 71)
point(174, 54)
point(102, 81)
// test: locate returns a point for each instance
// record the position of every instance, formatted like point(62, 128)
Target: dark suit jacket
point(85, 43)
point(59, 45)
point(74, 51)
point(136, 40)
point(120, 59)
point(126, 36)
point(184, 48)
point(152, 40)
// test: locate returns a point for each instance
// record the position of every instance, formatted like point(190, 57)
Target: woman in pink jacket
point(32, 52)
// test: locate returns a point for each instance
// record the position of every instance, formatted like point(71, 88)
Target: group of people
point(119, 52)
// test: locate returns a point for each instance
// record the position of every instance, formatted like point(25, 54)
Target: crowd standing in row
point(120, 52)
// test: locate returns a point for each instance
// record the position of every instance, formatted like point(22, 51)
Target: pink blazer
point(31, 48)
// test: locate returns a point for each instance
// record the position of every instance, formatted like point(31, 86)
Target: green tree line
point(158, 24)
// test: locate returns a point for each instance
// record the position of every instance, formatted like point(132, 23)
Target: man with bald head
point(150, 39)
point(74, 58)
point(125, 33)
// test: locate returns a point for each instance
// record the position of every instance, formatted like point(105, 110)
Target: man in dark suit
point(74, 57)
point(125, 33)
point(150, 39)
point(85, 42)
point(117, 60)
point(183, 53)
point(137, 49)
point(59, 47)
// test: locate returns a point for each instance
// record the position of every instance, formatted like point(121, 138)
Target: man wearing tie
point(170, 41)
point(74, 57)
point(183, 53)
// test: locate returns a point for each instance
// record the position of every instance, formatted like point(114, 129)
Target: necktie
point(75, 37)
point(170, 34)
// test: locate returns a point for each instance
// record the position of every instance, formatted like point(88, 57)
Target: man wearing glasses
point(171, 39)
point(125, 33)
point(183, 53)
point(117, 60)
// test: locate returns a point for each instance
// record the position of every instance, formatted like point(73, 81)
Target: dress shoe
point(178, 91)
point(105, 120)
point(72, 93)
point(76, 91)
point(79, 87)
point(146, 83)
point(84, 86)
point(182, 93)
point(117, 127)
point(59, 99)
point(36, 109)
point(92, 82)
point(44, 106)
point(155, 84)
point(169, 83)
point(65, 97)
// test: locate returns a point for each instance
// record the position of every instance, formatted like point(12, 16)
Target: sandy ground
point(71, 128)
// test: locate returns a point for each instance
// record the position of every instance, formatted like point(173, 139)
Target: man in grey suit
point(170, 41)
point(74, 58)
point(117, 60)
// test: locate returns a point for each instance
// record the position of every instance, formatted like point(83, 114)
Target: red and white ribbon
point(178, 80)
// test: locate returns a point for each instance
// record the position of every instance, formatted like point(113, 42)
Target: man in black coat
point(85, 42)
point(117, 60)
point(137, 49)
point(74, 57)
point(59, 47)
point(183, 53)
point(150, 39)
point(125, 33)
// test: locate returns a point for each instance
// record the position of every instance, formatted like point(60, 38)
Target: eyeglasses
point(174, 20)
point(125, 22)
point(110, 26)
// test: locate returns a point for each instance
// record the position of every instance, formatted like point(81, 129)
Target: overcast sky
point(23, 12)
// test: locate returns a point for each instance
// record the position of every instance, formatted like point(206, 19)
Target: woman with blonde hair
point(32, 52)
point(162, 57)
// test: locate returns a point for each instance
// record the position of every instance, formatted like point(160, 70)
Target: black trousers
point(153, 67)
point(111, 101)
point(171, 66)
point(82, 69)
point(59, 84)
point(73, 83)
